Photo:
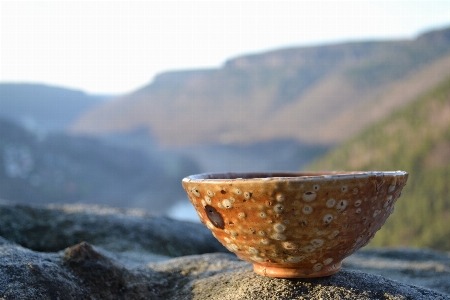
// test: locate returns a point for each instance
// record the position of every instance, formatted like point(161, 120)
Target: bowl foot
point(283, 272)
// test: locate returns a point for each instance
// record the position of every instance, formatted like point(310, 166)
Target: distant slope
point(41, 107)
point(311, 94)
point(66, 169)
point(415, 139)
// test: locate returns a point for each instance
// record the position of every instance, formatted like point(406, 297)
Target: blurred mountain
point(316, 95)
point(67, 169)
point(276, 110)
point(415, 139)
point(43, 108)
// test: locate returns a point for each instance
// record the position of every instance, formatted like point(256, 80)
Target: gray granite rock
point(421, 267)
point(78, 273)
point(53, 228)
point(222, 276)
point(120, 261)
point(82, 272)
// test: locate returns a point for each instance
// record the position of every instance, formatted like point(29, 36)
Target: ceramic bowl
point(295, 225)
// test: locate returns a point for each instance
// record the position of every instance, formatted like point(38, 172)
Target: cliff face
point(321, 94)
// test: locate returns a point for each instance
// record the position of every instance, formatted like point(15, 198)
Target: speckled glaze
point(295, 225)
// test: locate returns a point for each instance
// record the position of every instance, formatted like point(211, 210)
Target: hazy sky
point(118, 46)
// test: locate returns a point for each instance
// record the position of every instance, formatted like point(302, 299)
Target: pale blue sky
point(119, 46)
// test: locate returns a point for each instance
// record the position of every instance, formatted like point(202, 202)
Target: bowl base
point(282, 272)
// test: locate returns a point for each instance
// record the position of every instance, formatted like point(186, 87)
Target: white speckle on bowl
point(341, 205)
point(330, 203)
point(227, 203)
point(278, 237)
point(309, 196)
point(307, 209)
point(278, 208)
point(279, 227)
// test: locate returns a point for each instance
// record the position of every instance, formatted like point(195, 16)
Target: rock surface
point(421, 267)
point(131, 255)
point(53, 228)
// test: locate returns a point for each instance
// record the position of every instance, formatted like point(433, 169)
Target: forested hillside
point(415, 139)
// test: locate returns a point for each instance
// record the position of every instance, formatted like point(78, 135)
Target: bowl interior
point(287, 175)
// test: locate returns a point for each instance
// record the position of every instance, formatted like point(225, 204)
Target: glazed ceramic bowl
point(295, 225)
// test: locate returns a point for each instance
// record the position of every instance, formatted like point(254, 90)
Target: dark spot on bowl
point(223, 192)
point(214, 216)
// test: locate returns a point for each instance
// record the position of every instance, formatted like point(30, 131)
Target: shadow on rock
point(104, 278)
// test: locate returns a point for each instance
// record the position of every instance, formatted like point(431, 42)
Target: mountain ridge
point(44, 108)
point(294, 93)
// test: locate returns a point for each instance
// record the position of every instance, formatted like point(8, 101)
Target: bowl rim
point(286, 176)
